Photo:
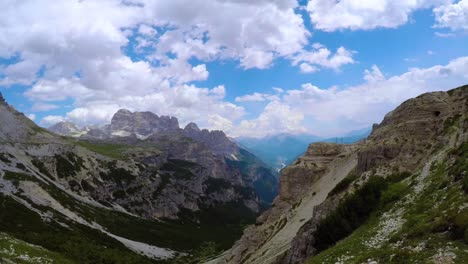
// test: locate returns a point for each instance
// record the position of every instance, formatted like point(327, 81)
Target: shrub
point(42, 168)
point(350, 213)
point(343, 184)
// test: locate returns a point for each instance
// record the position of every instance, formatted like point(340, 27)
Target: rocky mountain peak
point(142, 123)
point(65, 128)
point(191, 127)
point(2, 100)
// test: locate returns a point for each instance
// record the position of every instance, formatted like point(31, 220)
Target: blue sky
point(249, 68)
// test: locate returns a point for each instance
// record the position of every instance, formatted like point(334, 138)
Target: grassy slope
point(16, 251)
point(434, 223)
point(26, 225)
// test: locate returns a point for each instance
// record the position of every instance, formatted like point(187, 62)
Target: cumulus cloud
point(78, 51)
point(261, 97)
point(40, 107)
point(323, 57)
point(334, 111)
point(331, 15)
point(307, 68)
point(452, 15)
point(277, 117)
point(31, 116)
point(255, 97)
point(51, 120)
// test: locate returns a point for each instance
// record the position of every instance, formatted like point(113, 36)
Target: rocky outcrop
point(408, 132)
point(216, 139)
point(66, 128)
point(141, 123)
point(16, 127)
point(296, 179)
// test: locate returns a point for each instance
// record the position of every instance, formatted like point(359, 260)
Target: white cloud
point(65, 57)
point(45, 90)
point(146, 30)
point(373, 75)
point(444, 35)
point(307, 68)
point(331, 15)
point(369, 102)
point(218, 122)
point(255, 32)
point(452, 15)
point(261, 97)
point(51, 120)
point(323, 57)
point(255, 97)
point(276, 118)
point(39, 107)
point(31, 116)
point(186, 102)
point(334, 111)
point(256, 59)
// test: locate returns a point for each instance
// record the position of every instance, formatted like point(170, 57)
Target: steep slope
point(218, 156)
point(400, 192)
point(119, 200)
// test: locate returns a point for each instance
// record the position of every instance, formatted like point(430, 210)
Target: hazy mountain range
point(280, 150)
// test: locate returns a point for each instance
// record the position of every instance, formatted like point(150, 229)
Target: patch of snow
point(144, 249)
point(234, 157)
point(143, 137)
point(121, 133)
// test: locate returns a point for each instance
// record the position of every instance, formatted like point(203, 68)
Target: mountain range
point(280, 150)
point(138, 190)
point(143, 190)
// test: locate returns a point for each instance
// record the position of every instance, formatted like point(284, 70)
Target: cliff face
point(405, 134)
point(409, 139)
point(158, 139)
point(296, 179)
point(142, 123)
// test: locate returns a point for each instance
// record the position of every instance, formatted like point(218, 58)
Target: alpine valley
point(139, 190)
point(143, 190)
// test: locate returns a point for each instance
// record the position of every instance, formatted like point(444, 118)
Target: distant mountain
point(280, 150)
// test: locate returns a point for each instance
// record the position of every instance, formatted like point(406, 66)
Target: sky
point(249, 67)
